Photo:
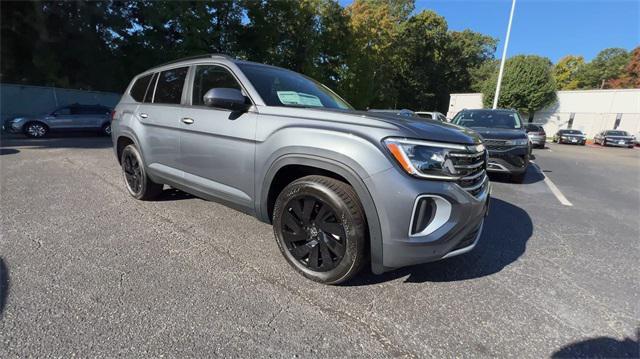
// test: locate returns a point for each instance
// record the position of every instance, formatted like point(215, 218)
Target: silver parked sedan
point(66, 118)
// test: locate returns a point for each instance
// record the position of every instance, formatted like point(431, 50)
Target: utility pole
point(504, 56)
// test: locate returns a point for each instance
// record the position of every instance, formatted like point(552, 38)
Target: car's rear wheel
point(320, 228)
point(36, 129)
point(139, 185)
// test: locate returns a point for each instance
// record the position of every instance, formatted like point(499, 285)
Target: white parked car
point(432, 115)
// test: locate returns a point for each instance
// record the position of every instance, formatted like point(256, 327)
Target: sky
point(551, 28)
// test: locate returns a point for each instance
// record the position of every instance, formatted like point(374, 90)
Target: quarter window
point(208, 77)
point(169, 87)
point(140, 87)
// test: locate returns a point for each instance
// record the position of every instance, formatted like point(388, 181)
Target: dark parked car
point(537, 135)
point(504, 137)
point(575, 137)
point(614, 138)
point(66, 118)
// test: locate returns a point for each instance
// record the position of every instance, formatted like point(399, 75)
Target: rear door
point(86, 117)
point(217, 145)
point(160, 116)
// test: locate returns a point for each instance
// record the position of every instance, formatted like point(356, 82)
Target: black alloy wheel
point(320, 228)
point(313, 233)
point(138, 184)
point(36, 130)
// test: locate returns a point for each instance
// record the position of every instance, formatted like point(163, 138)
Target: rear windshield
point(570, 132)
point(617, 133)
point(491, 119)
point(534, 128)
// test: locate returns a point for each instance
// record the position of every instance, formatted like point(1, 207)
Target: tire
point(106, 129)
point(518, 177)
point(36, 129)
point(139, 185)
point(320, 228)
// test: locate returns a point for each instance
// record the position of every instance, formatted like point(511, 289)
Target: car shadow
point(601, 347)
point(88, 140)
point(506, 231)
point(8, 151)
point(172, 194)
point(4, 285)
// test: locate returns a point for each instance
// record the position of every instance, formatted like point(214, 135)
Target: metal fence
point(24, 100)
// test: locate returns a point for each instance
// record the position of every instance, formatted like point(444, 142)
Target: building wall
point(23, 100)
point(593, 110)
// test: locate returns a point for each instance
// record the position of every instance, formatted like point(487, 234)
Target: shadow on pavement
point(504, 238)
point(4, 285)
point(8, 151)
point(173, 194)
point(532, 175)
point(602, 347)
point(56, 140)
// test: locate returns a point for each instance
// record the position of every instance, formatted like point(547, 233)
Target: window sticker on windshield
point(298, 98)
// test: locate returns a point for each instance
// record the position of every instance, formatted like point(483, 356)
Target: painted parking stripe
point(554, 189)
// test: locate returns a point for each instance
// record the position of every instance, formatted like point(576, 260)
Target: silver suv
point(66, 118)
point(341, 187)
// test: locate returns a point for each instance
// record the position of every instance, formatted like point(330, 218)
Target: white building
point(588, 110)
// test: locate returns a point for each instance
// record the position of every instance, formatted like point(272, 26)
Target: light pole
point(504, 56)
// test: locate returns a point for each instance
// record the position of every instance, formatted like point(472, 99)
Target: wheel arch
point(278, 174)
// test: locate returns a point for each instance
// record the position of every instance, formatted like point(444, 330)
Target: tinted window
point(169, 87)
point(425, 115)
point(570, 132)
point(442, 118)
point(488, 118)
point(280, 87)
point(534, 128)
point(89, 110)
point(140, 87)
point(616, 133)
point(211, 76)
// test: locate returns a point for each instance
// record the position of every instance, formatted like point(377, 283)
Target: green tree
point(483, 73)
point(631, 76)
point(566, 71)
point(469, 61)
point(609, 64)
point(527, 84)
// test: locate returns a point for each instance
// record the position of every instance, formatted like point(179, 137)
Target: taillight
point(113, 115)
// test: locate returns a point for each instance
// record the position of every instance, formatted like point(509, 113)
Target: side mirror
point(227, 98)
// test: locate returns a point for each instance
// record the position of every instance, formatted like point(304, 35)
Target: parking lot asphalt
point(86, 270)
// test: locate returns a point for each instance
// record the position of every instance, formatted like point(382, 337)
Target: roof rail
point(197, 57)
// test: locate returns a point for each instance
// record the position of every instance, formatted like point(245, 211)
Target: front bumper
point(512, 161)
point(395, 195)
point(617, 143)
point(570, 140)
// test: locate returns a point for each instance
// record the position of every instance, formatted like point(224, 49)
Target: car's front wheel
point(320, 228)
point(36, 129)
point(139, 185)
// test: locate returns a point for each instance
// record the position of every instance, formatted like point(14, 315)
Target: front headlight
point(518, 142)
point(428, 159)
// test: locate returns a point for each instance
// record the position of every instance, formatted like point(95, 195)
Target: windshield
point(492, 119)
point(280, 87)
point(570, 132)
point(617, 133)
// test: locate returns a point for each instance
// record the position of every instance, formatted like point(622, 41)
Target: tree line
point(375, 53)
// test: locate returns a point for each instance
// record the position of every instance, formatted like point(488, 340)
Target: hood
point(411, 127)
point(500, 133)
point(427, 129)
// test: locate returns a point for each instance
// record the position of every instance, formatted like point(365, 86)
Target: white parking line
point(554, 189)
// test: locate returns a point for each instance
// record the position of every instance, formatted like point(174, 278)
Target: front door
point(218, 145)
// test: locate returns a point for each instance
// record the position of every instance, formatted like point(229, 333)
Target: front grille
point(472, 167)
point(497, 145)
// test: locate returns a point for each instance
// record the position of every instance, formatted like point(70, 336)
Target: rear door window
point(139, 88)
point(170, 85)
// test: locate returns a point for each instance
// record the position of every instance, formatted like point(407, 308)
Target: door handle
point(187, 120)
point(144, 115)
